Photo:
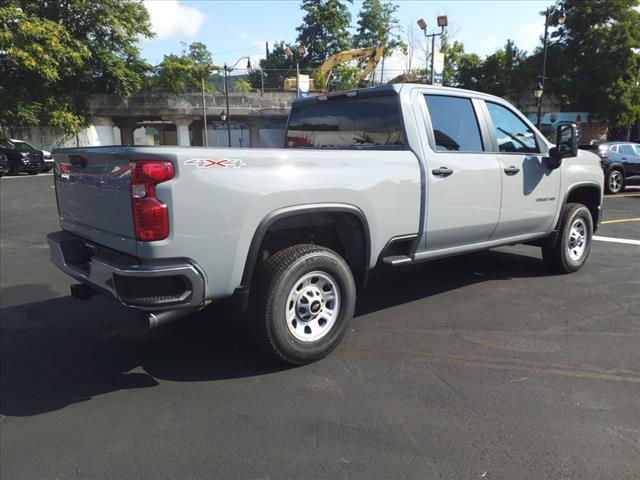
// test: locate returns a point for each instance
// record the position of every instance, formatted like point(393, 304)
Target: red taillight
point(150, 215)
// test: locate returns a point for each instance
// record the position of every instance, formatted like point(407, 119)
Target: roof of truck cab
point(398, 88)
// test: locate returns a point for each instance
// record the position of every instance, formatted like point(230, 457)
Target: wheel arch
point(587, 193)
point(310, 212)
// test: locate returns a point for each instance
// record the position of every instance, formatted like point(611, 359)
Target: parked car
point(4, 165)
point(621, 164)
point(23, 157)
point(380, 177)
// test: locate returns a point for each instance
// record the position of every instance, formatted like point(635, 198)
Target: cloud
point(170, 18)
point(529, 35)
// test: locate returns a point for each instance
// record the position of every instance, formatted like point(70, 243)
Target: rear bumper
point(144, 286)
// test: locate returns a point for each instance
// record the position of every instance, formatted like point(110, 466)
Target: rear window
point(454, 122)
point(356, 123)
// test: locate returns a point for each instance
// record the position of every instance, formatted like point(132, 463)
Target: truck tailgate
point(94, 196)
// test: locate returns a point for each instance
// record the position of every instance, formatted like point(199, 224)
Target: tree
point(241, 85)
point(176, 74)
point(378, 26)
point(461, 69)
point(502, 73)
point(200, 55)
point(57, 53)
point(324, 30)
point(277, 66)
point(183, 73)
point(599, 68)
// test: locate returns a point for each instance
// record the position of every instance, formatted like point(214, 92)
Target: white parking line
point(617, 240)
point(28, 176)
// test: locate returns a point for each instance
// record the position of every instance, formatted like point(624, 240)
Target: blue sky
point(232, 29)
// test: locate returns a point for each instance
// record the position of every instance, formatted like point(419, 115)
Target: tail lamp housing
point(150, 215)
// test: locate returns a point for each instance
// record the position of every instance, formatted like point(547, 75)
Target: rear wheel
point(615, 181)
point(570, 248)
point(305, 300)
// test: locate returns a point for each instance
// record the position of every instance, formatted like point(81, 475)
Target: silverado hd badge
point(221, 163)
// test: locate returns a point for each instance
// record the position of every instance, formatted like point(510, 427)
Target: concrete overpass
point(256, 118)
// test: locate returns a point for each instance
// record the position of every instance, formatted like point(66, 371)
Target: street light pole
point(226, 95)
point(544, 66)
point(547, 15)
point(226, 91)
point(442, 22)
point(205, 137)
point(433, 57)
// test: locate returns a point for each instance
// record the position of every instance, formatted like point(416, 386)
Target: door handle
point(511, 170)
point(442, 172)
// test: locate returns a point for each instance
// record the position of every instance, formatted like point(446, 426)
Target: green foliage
point(241, 85)
point(199, 53)
point(461, 69)
point(277, 66)
point(184, 73)
point(324, 30)
point(344, 77)
point(177, 74)
point(599, 69)
point(57, 53)
point(377, 25)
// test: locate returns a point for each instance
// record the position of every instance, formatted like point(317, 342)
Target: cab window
point(512, 134)
point(454, 122)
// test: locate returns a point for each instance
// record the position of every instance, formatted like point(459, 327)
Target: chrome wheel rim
point(312, 306)
point(615, 182)
point(577, 242)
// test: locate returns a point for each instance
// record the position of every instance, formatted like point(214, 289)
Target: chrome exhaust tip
point(153, 320)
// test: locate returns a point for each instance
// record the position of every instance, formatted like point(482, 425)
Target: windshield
point(357, 123)
point(6, 143)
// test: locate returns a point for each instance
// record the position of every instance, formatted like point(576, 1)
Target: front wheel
point(570, 248)
point(305, 300)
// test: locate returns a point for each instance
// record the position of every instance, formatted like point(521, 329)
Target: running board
point(397, 260)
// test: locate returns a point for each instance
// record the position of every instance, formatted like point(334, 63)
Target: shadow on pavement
point(62, 351)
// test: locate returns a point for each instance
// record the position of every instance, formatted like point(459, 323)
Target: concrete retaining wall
point(48, 138)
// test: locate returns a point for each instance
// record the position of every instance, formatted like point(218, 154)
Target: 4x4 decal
point(209, 163)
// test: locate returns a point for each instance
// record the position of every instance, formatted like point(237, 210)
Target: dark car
point(621, 164)
point(4, 165)
point(22, 157)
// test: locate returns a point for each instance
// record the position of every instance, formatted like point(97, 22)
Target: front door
point(463, 179)
point(530, 190)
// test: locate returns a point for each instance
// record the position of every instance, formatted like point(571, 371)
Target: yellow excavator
point(372, 54)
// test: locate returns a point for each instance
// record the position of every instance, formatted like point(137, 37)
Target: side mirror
point(566, 145)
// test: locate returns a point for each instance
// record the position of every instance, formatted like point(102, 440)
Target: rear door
point(631, 160)
point(530, 190)
point(463, 178)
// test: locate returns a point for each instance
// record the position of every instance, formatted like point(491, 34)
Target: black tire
point(560, 254)
point(276, 281)
point(614, 183)
point(33, 173)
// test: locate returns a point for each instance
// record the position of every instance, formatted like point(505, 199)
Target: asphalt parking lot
point(481, 366)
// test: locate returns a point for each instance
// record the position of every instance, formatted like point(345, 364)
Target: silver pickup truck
point(387, 176)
